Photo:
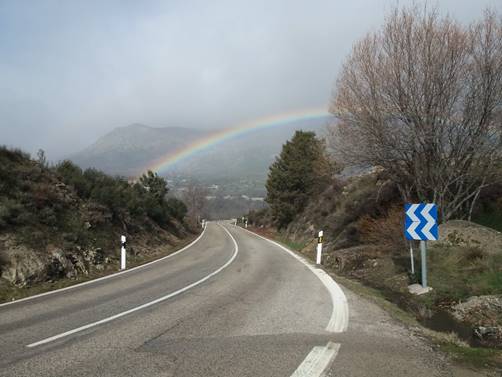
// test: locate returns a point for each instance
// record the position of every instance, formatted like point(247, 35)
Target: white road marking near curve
point(148, 304)
point(317, 361)
point(107, 276)
point(339, 320)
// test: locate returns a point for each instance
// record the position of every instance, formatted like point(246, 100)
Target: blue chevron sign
point(421, 222)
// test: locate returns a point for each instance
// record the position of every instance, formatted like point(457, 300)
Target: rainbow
point(168, 160)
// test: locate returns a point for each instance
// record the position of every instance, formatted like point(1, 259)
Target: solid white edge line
point(115, 274)
point(148, 304)
point(339, 320)
point(317, 361)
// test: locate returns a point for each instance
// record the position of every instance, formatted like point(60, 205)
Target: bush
point(10, 210)
point(386, 232)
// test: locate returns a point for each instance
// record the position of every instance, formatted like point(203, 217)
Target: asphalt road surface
point(230, 304)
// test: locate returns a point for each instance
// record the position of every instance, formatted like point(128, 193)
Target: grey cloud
point(72, 71)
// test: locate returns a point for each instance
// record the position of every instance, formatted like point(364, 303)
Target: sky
point(71, 71)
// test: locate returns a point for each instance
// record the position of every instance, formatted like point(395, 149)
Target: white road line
point(148, 304)
point(317, 361)
point(107, 276)
point(339, 320)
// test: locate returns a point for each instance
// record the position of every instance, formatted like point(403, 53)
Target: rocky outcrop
point(22, 266)
point(484, 315)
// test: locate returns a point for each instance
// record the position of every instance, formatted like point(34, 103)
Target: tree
point(301, 169)
point(42, 159)
point(194, 198)
point(422, 98)
point(177, 208)
point(157, 186)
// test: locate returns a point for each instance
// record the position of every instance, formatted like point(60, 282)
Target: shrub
point(12, 213)
point(386, 232)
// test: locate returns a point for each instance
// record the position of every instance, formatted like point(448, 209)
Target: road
point(230, 304)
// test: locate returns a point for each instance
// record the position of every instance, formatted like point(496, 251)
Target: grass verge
point(449, 343)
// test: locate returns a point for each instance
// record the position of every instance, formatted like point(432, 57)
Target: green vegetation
point(491, 219)
point(301, 170)
point(457, 272)
point(472, 356)
point(41, 203)
point(62, 221)
point(124, 200)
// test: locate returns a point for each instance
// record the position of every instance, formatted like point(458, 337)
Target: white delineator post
point(123, 252)
point(246, 223)
point(203, 223)
point(319, 247)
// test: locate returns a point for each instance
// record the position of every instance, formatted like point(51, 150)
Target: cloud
point(72, 71)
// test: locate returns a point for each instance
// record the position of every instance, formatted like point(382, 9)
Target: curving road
point(231, 304)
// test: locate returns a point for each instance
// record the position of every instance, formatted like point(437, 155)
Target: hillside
point(362, 219)
point(129, 150)
point(62, 222)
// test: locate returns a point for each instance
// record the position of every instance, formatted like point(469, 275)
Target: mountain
point(129, 150)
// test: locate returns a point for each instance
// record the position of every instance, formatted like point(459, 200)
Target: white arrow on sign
point(430, 221)
point(411, 230)
point(411, 213)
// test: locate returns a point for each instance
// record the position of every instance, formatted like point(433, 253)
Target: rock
point(22, 266)
point(94, 256)
point(489, 335)
point(61, 265)
point(78, 263)
point(484, 315)
point(480, 310)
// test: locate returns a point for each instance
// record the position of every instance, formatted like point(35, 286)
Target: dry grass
point(386, 232)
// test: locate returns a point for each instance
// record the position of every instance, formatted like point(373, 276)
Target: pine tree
point(300, 171)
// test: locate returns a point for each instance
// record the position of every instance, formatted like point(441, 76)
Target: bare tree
point(422, 98)
point(42, 159)
point(195, 199)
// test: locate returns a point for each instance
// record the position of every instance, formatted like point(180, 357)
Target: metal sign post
point(319, 247)
point(423, 258)
point(412, 260)
point(421, 224)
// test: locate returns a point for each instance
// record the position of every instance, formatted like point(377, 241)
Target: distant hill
point(128, 150)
